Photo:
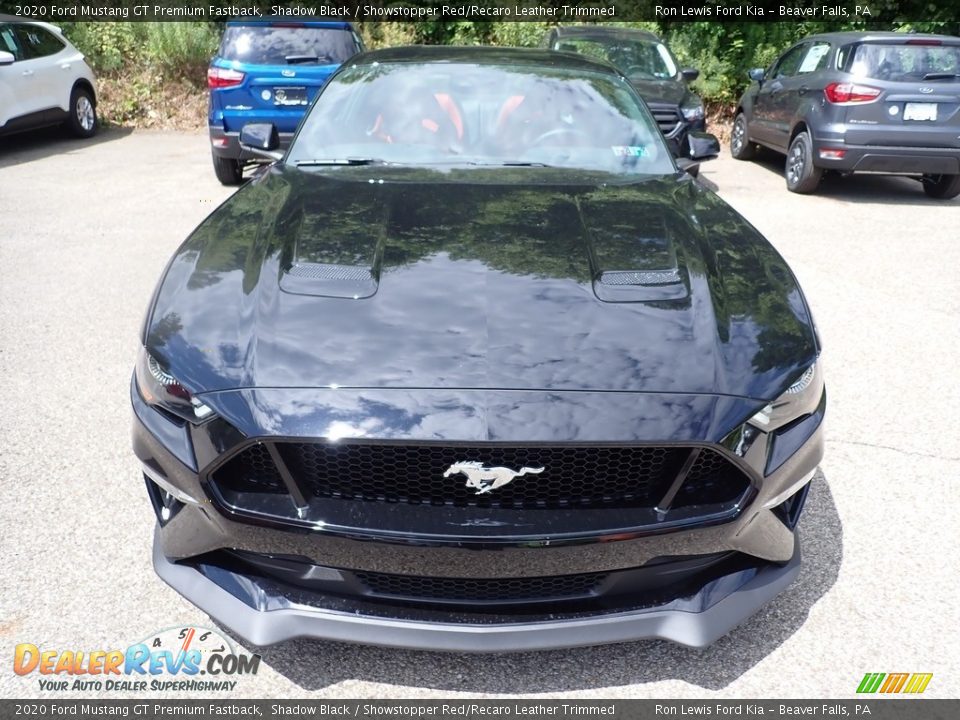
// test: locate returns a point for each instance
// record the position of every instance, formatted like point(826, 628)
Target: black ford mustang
point(475, 367)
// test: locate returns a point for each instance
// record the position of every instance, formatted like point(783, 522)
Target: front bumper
point(757, 555)
point(263, 616)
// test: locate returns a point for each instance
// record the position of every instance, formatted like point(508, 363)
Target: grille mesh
point(253, 470)
point(668, 118)
point(482, 590)
point(572, 476)
point(711, 480)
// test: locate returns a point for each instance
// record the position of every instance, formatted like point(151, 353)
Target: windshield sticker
point(629, 150)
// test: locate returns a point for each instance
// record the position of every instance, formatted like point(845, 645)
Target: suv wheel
point(229, 172)
point(740, 146)
point(942, 187)
point(82, 120)
point(801, 175)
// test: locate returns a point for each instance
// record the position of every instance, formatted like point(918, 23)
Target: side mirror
point(703, 146)
point(261, 139)
point(690, 74)
point(757, 74)
point(6, 58)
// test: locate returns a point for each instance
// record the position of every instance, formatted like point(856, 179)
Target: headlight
point(799, 399)
point(160, 389)
point(693, 112)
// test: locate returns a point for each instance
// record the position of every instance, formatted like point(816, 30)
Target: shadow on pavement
point(314, 665)
point(39, 144)
point(858, 188)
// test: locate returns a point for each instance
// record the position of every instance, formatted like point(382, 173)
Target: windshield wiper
point(939, 76)
point(341, 161)
point(509, 163)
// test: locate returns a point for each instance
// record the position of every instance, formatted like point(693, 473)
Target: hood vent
point(330, 280)
point(327, 258)
point(326, 271)
point(640, 277)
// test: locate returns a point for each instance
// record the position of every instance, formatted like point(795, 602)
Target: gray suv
point(878, 102)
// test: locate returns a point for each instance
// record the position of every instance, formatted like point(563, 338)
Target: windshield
point(911, 62)
point(467, 114)
point(637, 59)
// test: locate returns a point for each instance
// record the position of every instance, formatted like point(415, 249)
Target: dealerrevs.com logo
point(175, 659)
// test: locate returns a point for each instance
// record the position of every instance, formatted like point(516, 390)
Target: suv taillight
point(222, 77)
point(851, 93)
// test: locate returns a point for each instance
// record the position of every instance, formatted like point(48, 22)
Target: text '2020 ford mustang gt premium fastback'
point(475, 367)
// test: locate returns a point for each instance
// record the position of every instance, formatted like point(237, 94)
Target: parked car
point(878, 102)
point(652, 69)
point(44, 80)
point(474, 367)
point(269, 70)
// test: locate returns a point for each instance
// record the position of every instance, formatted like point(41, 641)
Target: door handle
point(65, 66)
point(803, 90)
point(27, 73)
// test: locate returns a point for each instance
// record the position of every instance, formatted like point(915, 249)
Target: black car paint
point(485, 320)
point(509, 302)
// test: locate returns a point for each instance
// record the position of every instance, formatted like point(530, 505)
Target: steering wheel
point(559, 132)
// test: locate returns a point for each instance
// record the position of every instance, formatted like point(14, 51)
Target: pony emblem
point(485, 479)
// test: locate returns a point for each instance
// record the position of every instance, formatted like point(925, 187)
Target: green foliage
point(181, 49)
point(109, 46)
point(175, 49)
point(722, 51)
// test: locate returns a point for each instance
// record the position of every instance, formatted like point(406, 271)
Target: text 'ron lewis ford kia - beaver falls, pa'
point(475, 366)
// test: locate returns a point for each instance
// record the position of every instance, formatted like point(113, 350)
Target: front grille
point(414, 474)
point(558, 587)
point(590, 476)
point(668, 118)
point(253, 471)
point(712, 480)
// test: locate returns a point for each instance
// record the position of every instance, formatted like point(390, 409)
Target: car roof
point(598, 32)
point(32, 21)
point(851, 36)
point(291, 21)
point(482, 55)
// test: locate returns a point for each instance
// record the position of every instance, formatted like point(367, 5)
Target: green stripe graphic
point(871, 682)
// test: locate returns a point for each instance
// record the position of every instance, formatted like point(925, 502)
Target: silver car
point(880, 102)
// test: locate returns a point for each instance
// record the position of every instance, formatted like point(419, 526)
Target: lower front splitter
point(236, 600)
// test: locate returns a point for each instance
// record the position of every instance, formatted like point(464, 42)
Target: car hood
point(507, 279)
point(672, 92)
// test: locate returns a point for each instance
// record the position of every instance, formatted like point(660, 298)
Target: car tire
point(740, 146)
point(229, 172)
point(801, 174)
point(942, 187)
point(82, 116)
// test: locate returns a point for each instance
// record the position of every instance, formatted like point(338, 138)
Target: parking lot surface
point(85, 231)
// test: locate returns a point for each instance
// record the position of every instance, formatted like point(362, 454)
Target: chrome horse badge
point(485, 479)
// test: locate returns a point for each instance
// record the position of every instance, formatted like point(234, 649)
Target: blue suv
point(269, 71)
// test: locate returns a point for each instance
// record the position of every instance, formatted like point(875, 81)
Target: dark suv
point(878, 102)
point(651, 68)
point(268, 71)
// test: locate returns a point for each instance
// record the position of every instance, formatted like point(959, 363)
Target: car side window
point(8, 43)
point(815, 58)
point(789, 63)
point(37, 42)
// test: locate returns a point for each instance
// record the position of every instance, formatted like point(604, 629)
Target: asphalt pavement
point(86, 228)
